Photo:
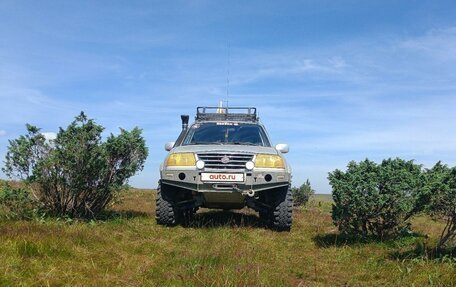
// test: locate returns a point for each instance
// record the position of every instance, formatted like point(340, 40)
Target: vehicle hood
point(225, 148)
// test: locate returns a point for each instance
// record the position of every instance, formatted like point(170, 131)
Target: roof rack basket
point(241, 114)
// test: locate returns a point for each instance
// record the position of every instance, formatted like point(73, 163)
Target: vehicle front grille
point(214, 160)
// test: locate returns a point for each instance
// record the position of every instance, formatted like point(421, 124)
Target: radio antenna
point(228, 75)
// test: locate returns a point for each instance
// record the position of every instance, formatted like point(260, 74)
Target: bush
point(439, 199)
point(302, 194)
point(76, 174)
point(16, 202)
point(372, 199)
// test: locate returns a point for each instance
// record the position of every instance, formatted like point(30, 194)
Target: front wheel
point(282, 210)
point(166, 211)
point(187, 216)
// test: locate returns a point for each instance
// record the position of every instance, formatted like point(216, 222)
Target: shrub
point(372, 199)
point(439, 199)
point(76, 174)
point(16, 202)
point(302, 194)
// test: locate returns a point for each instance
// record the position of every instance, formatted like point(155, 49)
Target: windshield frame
point(262, 133)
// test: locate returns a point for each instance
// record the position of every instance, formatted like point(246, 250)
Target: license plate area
point(222, 177)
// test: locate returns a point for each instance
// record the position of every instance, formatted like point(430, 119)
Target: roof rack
point(241, 114)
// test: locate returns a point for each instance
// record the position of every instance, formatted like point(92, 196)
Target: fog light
point(200, 164)
point(249, 165)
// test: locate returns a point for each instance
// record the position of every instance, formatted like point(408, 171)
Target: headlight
point(181, 159)
point(269, 161)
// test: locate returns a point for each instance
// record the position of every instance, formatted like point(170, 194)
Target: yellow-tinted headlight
point(181, 159)
point(269, 161)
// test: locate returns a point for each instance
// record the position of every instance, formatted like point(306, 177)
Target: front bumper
point(256, 180)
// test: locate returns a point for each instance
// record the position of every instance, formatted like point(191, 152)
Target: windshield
point(226, 133)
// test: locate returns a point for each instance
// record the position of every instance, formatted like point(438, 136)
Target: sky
point(336, 80)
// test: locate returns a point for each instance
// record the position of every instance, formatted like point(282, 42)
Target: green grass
point(222, 249)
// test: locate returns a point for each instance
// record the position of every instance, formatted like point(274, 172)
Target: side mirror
point(283, 148)
point(169, 146)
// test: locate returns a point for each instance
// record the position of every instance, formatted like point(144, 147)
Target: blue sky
point(337, 80)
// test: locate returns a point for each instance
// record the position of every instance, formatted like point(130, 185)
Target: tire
point(187, 216)
point(166, 211)
point(282, 210)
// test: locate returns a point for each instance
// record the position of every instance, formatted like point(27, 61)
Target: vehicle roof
point(241, 115)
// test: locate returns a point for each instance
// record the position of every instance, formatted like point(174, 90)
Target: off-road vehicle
point(224, 160)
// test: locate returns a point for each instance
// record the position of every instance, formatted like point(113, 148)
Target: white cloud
point(437, 43)
point(49, 136)
point(2, 133)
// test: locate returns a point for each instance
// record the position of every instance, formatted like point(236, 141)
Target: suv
point(224, 160)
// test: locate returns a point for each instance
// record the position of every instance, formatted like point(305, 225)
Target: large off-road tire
point(187, 216)
point(166, 212)
point(282, 210)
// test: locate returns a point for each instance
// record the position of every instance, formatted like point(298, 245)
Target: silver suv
point(224, 160)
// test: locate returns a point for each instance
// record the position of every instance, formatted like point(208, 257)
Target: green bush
point(16, 203)
point(302, 194)
point(375, 199)
point(77, 174)
point(439, 199)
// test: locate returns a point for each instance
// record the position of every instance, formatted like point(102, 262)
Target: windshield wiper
point(204, 143)
point(244, 143)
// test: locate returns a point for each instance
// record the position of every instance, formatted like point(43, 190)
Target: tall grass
point(127, 248)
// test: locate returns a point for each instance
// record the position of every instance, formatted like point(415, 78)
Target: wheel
point(186, 216)
point(282, 210)
point(166, 212)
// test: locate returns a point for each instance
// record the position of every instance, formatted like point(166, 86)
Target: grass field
point(221, 249)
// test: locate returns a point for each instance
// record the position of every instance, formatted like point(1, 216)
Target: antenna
point(228, 75)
